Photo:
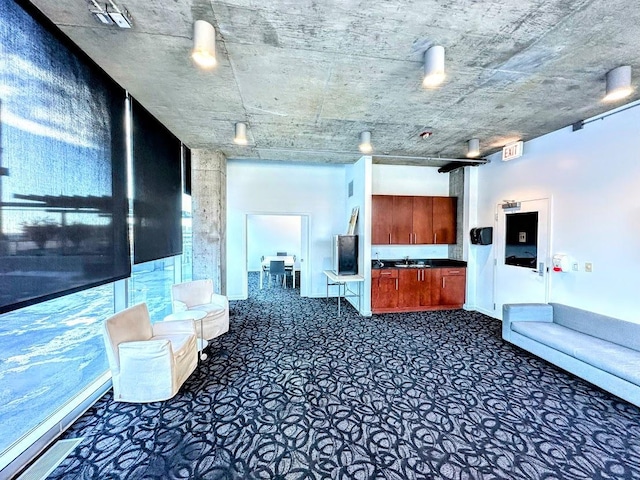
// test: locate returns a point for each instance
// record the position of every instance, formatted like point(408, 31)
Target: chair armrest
point(524, 312)
point(218, 299)
point(179, 306)
point(174, 326)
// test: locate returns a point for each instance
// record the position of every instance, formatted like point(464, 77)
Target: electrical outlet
point(575, 267)
point(588, 267)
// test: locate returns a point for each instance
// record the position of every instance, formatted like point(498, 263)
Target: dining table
point(289, 263)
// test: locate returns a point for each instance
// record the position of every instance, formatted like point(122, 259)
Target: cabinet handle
point(385, 273)
point(389, 238)
point(410, 239)
point(418, 275)
point(396, 284)
point(443, 282)
point(435, 237)
point(454, 272)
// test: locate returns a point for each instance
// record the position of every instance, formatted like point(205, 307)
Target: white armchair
point(199, 295)
point(149, 363)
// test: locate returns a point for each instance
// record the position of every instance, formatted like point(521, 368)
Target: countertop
point(417, 263)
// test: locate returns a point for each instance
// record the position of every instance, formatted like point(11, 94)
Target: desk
point(343, 281)
point(289, 262)
point(194, 315)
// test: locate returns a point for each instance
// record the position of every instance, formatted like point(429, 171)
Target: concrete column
point(209, 210)
point(456, 189)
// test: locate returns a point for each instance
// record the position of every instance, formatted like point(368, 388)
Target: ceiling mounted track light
point(365, 142)
point(240, 137)
point(433, 67)
point(473, 148)
point(204, 44)
point(618, 84)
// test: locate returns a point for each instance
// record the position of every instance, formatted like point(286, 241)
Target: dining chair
point(276, 268)
point(289, 271)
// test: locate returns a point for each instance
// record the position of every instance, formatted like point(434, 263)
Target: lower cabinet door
point(410, 287)
point(384, 289)
point(452, 286)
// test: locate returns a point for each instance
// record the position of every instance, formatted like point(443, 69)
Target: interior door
point(522, 253)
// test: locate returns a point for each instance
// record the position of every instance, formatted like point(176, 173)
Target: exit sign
point(511, 151)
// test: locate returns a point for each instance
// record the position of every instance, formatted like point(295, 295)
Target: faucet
point(406, 260)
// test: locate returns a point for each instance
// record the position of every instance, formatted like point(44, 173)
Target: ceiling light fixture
point(204, 44)
point(473, 147)
point(618, 84)
point(433, 66)
point(365, 142)
point(240, 137)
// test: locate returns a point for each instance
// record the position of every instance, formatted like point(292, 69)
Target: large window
point(151, 283)
point(50, 352)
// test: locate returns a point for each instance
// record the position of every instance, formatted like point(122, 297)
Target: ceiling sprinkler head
point(426, 134)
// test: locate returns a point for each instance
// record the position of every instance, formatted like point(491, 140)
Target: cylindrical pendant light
point(365, 142)
point(240, 136)
point(473, 148)
point(433, 67)
point(618, 84)
point(204, 44)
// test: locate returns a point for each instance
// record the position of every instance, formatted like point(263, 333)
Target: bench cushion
point(612, 358)
point(614, 330)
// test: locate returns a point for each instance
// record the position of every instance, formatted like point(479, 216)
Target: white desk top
point(331, 275)
point(288, 260)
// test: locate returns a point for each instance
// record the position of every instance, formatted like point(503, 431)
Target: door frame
point(305, 225)
point(499, 244)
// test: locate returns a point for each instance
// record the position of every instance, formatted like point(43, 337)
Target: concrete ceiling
point(308, 75)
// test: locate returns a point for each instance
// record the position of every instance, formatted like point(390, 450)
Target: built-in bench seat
point(602, 350)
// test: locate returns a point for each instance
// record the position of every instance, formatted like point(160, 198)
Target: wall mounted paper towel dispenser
point(482, 236)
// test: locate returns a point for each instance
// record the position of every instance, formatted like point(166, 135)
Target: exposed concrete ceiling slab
point(307, 77)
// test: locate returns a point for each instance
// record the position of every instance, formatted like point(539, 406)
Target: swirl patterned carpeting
point(293, 392)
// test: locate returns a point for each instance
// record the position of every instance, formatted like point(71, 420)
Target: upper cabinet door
point(381, 219)
point(444, 219)
point(402, 231)
point(422, 220)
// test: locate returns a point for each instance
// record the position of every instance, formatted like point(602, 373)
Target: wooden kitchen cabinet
point(414, 287)
point(450, 285)
point(417, 289)
point(444, 219)
point(384, 290)
point(413, 220)
point(422, 220)
point(402, 227)
point(381, 219)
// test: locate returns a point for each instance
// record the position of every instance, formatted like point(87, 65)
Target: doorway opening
point(270, 235)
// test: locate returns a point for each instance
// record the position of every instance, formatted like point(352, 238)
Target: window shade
point(157, 183)
point(62, 165)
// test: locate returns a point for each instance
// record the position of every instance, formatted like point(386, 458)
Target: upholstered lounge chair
point(199, 295)
point(148, 363)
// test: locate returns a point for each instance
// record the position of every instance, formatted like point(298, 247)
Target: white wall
point(360, 174)
point(270, 234)
point(409, 180)
point(283, 188)
point(592, 177)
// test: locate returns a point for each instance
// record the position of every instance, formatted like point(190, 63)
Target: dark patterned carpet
point(294, 392)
